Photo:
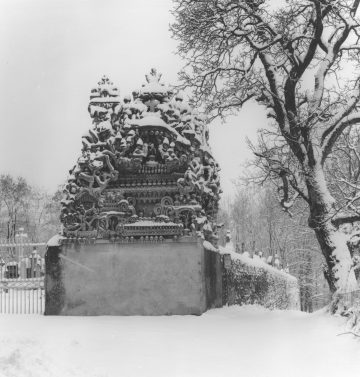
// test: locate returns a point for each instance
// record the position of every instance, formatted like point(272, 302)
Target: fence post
point(54, 288)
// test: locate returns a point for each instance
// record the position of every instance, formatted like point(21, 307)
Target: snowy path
point(246, 342)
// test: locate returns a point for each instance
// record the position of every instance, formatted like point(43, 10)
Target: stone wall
point(132, 279)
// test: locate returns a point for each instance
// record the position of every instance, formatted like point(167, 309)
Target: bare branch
point(337, 131)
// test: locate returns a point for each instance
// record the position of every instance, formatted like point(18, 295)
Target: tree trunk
point(340, 274)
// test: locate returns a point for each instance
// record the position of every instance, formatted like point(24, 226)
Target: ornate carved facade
point(146, 171)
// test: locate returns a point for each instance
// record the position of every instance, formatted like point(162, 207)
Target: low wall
point(129, 279)
point(252, 281)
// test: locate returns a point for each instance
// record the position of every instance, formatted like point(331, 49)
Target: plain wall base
point(127, 279)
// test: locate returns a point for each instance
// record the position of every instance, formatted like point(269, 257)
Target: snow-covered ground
point(233, 341)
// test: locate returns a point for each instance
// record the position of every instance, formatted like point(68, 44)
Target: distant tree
point(224, 219)
point(14, 194)
point(42, 217)
point(259, 224)
point(238, 51)
point(246, 219)
point(22, 205)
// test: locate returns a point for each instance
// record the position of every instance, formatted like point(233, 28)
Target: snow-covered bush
point(348, 305)
point(252, 281)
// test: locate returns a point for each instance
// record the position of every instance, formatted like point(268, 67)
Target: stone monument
point(140, 204)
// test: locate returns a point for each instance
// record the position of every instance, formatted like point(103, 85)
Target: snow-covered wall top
point(253, 281)
point(255, 262)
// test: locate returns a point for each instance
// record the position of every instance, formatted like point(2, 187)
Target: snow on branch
point(336, 131)
point(279, 166)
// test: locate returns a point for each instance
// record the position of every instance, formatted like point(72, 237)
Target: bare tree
point(14, 195)
point(41, 218)
point(242, 50)
point(246, 220)
point(24, 206)
point(258, 222)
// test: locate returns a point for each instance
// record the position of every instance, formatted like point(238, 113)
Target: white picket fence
point(22, 296)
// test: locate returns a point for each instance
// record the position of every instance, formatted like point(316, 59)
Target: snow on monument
point(146, 168)
point(138, 206)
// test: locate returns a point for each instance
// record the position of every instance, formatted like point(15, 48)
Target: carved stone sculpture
point(146, 169)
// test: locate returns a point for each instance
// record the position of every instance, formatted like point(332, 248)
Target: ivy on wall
point(248, 285)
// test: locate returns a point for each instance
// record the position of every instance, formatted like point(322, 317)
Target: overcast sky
point(54, 52)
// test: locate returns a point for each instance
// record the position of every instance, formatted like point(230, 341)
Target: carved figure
point(137, 149)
